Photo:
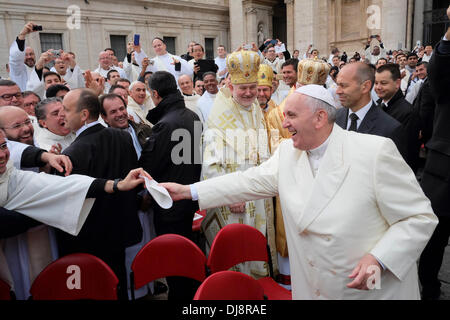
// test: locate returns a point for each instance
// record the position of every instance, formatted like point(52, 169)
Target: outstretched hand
point(177, 191)
point(132, 180)
point(59, 162)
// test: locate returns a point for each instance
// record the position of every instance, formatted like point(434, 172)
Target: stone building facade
point(345, 24)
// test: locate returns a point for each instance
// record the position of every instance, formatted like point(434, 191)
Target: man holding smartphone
point(21, 59)
point(377, 51)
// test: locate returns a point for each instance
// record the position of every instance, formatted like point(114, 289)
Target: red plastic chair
point(165, 256)
point(237, 243)
point(229, 285)
point(196, 224)
point(5, 291)
point(78, 276)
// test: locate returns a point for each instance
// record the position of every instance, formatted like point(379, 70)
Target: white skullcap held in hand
point(317, 92)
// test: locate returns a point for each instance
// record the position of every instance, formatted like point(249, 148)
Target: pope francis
point(356, 218)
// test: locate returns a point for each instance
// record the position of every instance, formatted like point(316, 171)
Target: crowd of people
point(341, 162)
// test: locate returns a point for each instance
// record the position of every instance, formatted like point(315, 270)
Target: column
point(290, 25)
point(252, 25)
point(303, 24)
point(419, 7)
point(236, 24)
point(394, 24)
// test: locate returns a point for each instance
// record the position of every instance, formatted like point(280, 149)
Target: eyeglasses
point(30, 104)
point(19, 125)
point(3, 146)
point(9, 97)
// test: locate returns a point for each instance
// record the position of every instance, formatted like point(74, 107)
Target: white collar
point(86, 126)
point(317, 153)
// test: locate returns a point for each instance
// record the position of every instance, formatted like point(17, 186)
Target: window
point(170, 43)
point(50, 41)
point(119, 44)
point(209, 48)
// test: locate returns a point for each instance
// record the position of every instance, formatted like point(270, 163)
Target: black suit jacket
point(112, 224)
point(175, 161)
point(401, 110)
point(398, 108)
point(379, 123)
point(436, 177)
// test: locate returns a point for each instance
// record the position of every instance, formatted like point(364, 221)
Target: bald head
point(186, 84)
point(80, 106)
point(104, 59)
point(16, 124)
point(355, 82)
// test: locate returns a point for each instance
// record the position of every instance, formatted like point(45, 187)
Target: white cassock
point(139, 111)
point(56, 201)
point(363, 199)
point(222, 64)
point(191, 102)
point(18, 70)
point(74, 78)
point(204, 105)
point(165, 63)
point(104, 73)
point(45, 139)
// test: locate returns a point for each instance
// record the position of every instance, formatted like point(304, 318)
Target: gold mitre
point(243, 66)
point(265, 75)
point(312, 71)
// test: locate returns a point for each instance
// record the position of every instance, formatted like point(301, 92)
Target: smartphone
point(136, 39)
point(37, 28)
point(247, 46)
point(373, 36)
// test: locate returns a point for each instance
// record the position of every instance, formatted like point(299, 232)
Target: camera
point(373, 36)
point(37, 28)
point(247, 46)
point(56, 53)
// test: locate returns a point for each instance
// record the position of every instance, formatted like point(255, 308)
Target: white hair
point(134, 83)
point(316, 104)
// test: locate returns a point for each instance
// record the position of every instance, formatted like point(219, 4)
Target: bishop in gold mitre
point(265, 91)
point(235, 140)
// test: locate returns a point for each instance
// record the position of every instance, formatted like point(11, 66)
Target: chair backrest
point(168, 255)
point(78, 276)
point(229, 285)
point(5, 291)
point(236, 243)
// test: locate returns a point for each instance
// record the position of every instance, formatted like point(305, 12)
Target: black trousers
point(431, 260)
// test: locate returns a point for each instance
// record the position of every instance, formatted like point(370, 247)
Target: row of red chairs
point(164, 256)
